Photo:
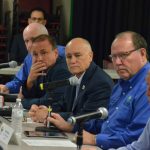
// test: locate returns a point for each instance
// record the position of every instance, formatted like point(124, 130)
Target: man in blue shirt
point(128, 109)
point(32, 30)
point(143, 142)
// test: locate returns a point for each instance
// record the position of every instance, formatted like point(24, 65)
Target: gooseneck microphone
point(101, 113)
point(52, 85)
point(11, 64)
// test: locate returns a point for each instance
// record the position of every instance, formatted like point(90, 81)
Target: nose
point(73, 59)
point(117, 61)
point(39, 57)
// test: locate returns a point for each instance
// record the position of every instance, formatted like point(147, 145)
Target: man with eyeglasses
point(129, 109)
point(18, 50)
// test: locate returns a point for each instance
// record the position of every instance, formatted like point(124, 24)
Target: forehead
point(37, 14)
point(76, 48)
point(39, 45)
point(122, 44)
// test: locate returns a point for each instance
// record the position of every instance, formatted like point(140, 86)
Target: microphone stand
point(79, 140)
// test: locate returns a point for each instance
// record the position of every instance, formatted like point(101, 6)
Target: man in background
point(32, 30)
point(18, 50)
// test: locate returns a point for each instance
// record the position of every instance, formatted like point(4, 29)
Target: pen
point(49, 114)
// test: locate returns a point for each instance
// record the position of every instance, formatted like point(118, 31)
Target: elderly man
point(128, 109)
point(143, 142)
point(92, 92)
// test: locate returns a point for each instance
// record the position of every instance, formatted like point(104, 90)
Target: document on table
point(57, 143)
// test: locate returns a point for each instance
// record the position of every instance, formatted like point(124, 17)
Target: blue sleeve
point(21, 76)
point(118, 137)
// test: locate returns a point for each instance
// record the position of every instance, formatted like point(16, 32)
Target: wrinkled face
point(126, 59)
point(78, 59)
point(37, 16)
point(42, 52)
point(28, 36)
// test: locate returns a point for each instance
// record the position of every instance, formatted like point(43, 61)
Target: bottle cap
point(18, 100)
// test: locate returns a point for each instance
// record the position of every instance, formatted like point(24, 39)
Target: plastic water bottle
point(17, 116)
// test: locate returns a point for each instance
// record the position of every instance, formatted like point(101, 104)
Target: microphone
point(9, 97)
point(11, 64)
point(52, 85)
point(101, 113)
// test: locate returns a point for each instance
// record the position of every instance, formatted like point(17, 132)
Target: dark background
point(100, 20)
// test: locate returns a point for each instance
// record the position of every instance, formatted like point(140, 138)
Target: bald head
point(80, 43)
point(78, 56)
point(31, 31)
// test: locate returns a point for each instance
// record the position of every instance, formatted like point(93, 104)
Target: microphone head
point(13, 64)
point(71, 120)
point(104, 112)
point(74, 81)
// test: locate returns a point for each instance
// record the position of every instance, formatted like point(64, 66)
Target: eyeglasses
point(38, 19)
point(122, 56)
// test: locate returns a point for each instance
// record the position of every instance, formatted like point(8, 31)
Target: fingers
point(4, 89)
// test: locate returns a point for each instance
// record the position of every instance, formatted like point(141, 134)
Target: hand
point(4, 89)
point(59, 122)
point(32, 112)
point(42, 113)
point(36, 70)
point(88, 138)
point(88, 147)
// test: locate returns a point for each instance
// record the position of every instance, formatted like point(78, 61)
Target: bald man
point(32, 30)
point(94, 86)
point(18, 50)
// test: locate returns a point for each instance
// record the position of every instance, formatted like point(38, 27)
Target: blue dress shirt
point(129, 111)
point(23, 73)
point(143, 143)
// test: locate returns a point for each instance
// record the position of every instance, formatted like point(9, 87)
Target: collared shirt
point(143, 143)
point(78, 86)
point(23, 73)
point(129, 111)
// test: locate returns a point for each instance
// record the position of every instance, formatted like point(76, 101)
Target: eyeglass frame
point(38, 19)
point(124, 55)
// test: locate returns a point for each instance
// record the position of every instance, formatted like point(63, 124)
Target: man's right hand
point(38, 113)
point(4, 89)
point(36, 70)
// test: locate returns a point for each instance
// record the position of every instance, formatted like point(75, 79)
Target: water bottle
point(17, 117)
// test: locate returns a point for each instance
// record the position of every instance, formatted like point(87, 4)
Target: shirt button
point(117, 108)
point(123, 93)
point(130, 87)
point(107, 121)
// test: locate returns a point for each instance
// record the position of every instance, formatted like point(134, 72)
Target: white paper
point(5, 133)
point(54, 143)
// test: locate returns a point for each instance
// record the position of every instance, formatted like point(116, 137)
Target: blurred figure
point(18, 50)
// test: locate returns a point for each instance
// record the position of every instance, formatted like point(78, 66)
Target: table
point(31, 126)
point(12, 71)
point(9, 71)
